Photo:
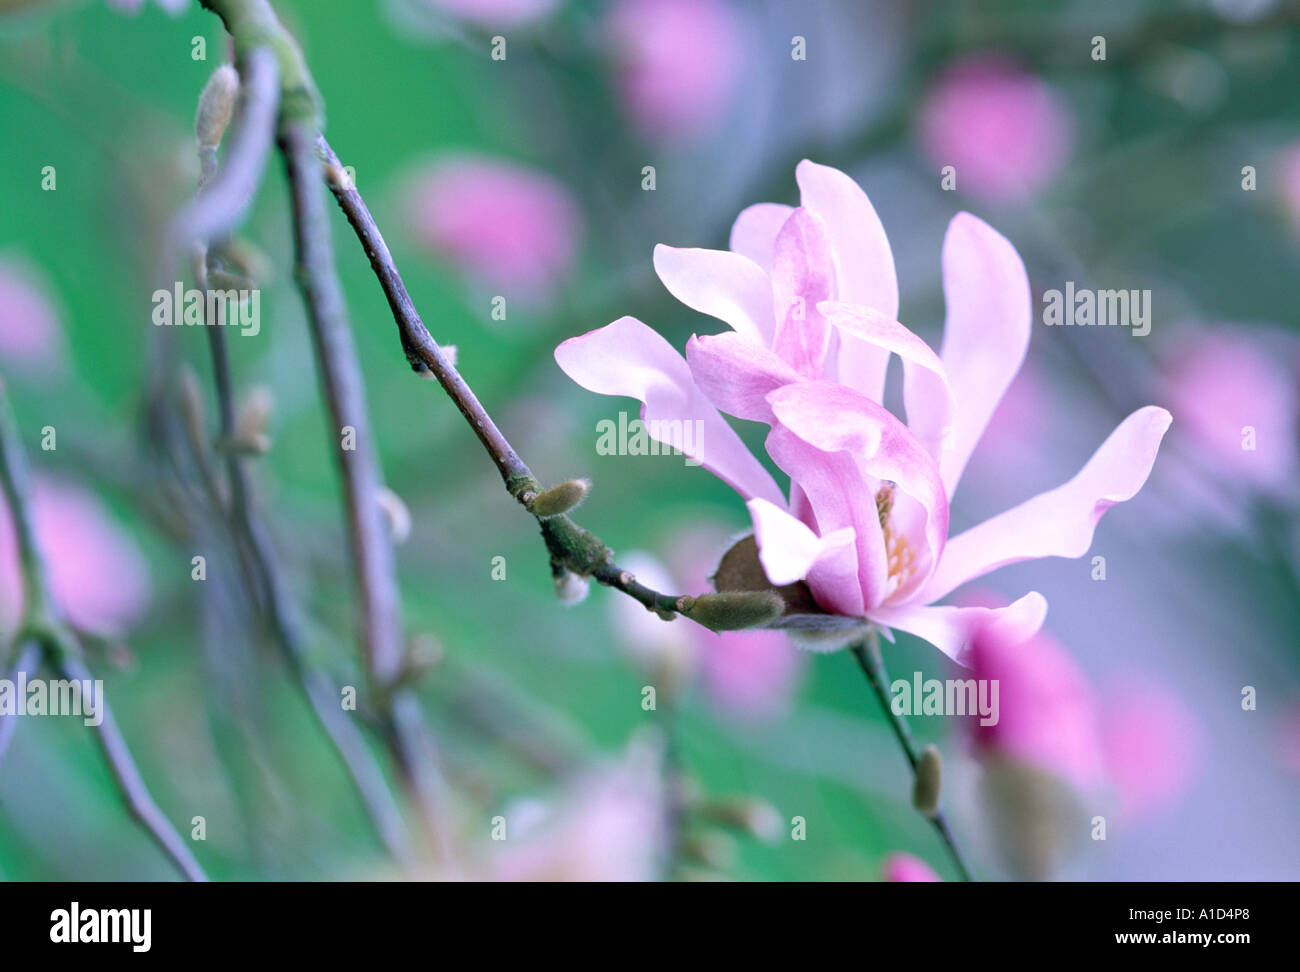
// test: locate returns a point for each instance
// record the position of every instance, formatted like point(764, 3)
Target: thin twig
point(260, 75)
point(574, 547)
point(371, 545)
point(867, 654)
point(130, 784)
point(42, 624)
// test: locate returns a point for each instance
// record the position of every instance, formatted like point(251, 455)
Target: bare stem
point(43, 626)
point(570, 545)
point(260, 90)
point(867, 654)
point(371, 545)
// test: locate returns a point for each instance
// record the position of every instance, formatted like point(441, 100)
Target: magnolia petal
point(629, 358)
point(953, 629)
point(870, 325)
point(863, 260)
point(833, 418)
point(753, 234)
point(803, 275)
point(737, 375)
point(787, 549)
point(721, 284)
point(985, 336)
point(1060, 522)
point(839, 497)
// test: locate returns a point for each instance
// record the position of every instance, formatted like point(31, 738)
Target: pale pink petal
point(737, 375)
point(953, 630)
point(839, 497)
point(1060, 522)
point(628, 358)
point(833, 418)
point(787, 548)
point(985, 336)
point(863, 260)
point(722, 284)
point(870, 325)
point(753, 234)
point(803, 275)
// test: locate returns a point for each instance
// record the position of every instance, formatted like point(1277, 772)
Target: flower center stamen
point(899, 557)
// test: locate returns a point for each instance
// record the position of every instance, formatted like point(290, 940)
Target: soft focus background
point(524, 178)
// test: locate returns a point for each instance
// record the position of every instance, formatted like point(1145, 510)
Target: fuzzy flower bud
point(560, 499)
point(216, 106)
point(732, 610)
point(929, 782)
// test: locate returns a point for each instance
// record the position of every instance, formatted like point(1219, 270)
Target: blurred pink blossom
point(97, 575)
point(507, 226)
point(31, 337)
point(1004, 130)
point(496, 13)
point(610, 825)
point(1047, 713)
point(677, 62)
point(1152, 744)
point(900, 867)
point(1222, 382)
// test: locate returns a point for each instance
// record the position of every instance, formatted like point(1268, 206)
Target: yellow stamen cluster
point(899, 556)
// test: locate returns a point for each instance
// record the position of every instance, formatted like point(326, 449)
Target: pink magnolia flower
point(899, 867)
point(97, 575)
point(812, 299)
point(677, 62)
point(507, 226)
point(30, 334)
point(1003, 130)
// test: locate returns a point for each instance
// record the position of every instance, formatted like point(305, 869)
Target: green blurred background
point(1151, 193)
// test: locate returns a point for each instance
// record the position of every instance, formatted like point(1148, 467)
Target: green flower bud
point(732, 610)
point(929, 782)
point(559, 499)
